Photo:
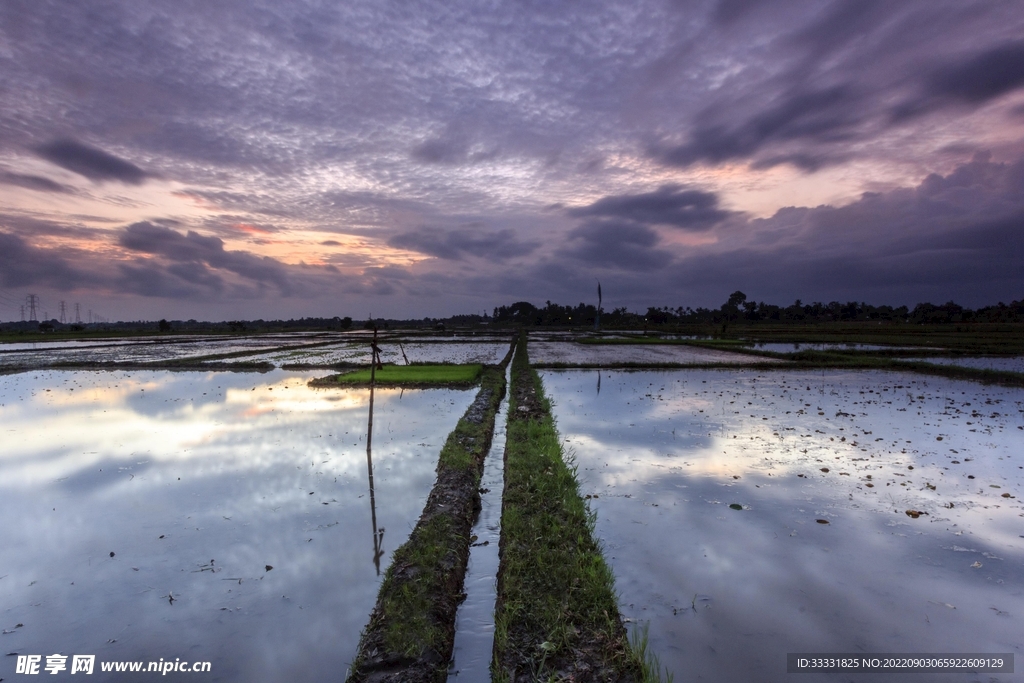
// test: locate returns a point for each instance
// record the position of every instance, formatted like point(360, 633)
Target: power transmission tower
point(63, 312)
point(23, 313)
point(32, 301)
point(78, 313)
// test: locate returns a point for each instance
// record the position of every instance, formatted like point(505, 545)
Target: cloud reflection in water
point(668, 452)
point(194, 482)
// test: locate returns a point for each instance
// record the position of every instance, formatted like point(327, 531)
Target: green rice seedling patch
point(409, 375)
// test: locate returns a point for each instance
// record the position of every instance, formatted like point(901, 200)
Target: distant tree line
point(736, 309)
point(739, 309)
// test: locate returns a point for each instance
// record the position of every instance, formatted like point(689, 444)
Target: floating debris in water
point(736, 506)
point(915, 513)
point(704, 600)
point(269, 567)
point(821, 521)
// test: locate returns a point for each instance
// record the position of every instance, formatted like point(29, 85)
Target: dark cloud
point(90, 162)
point(975, 80)
point(32, 182)
point(196, 273)
point(959, 236)
point(617, 245)
point(826, 117)
point(193, 248)
point(457, 244)
point(32, 227)
point(155, 280)
point(987, 75)
point(453, 149)
point(439, 151)
point(839, 76)
point(668, 205)
point(23, 265)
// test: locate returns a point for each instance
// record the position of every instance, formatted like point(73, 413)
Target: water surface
point(728, 592)
point(609, 354)
point(146, 349)
point(436, 351)
point(205, 516)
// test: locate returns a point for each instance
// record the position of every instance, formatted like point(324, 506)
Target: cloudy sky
point(277, 159)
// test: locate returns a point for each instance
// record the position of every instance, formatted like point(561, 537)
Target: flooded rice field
point(747, 515)
point(453, 351)
point(599, 354)
point(148, 349)
point(323, 349)
point(1009, 364)
point(85, 343)
point(205, 516)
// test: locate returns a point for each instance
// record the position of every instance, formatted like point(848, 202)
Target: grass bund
point(842, 359)
point(427, 375)
point(946, 339)
point(411, 630)
point(557, 616)
point(976, 338)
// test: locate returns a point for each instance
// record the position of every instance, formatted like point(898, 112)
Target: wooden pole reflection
point(378, 534)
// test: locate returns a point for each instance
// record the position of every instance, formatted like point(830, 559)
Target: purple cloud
point(93, 163)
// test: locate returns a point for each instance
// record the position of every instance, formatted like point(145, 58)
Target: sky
point(281, 159)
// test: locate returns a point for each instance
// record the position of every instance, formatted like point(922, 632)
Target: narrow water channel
point(474, 625)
